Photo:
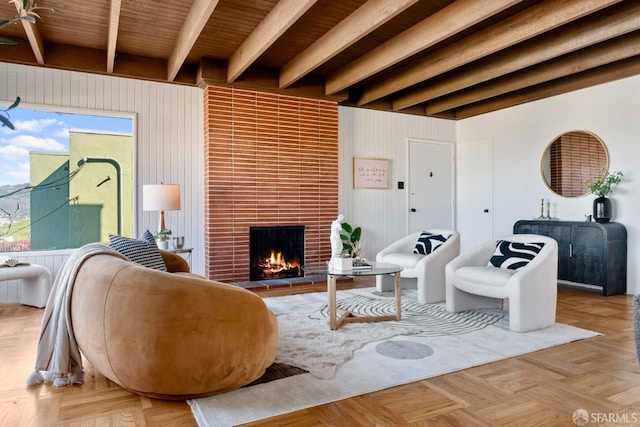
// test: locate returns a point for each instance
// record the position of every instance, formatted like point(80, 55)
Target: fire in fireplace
point(276, 252)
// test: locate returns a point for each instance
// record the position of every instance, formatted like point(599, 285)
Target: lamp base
point(161, 221)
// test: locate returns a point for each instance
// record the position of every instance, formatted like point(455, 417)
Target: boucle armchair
point(531, 290)
point(427, 270)
point(169, 335)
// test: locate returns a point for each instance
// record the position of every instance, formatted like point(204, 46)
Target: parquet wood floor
point(600, 375)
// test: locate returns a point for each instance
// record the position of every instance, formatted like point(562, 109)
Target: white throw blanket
point(58, 358)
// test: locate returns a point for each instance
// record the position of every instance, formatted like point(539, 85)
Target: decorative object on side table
point(601, 187)
point(162, 238)
point(338, 261)
point(161, 197)
point(346, 246)
point(178, 242)
point(542, 214)
point(351, 243)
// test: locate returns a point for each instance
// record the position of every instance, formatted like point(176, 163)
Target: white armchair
point(531, 290)
point(427, 270)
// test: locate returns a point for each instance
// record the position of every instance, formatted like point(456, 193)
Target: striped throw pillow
point(143, 251)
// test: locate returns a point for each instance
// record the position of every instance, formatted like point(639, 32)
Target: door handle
point(486, 211)
point(413, 210)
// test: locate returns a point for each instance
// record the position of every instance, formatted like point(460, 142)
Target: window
point(65, 179)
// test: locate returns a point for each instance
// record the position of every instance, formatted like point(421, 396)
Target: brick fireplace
point(276, 252)
point(270, 160)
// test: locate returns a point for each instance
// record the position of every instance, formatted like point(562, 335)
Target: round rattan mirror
point(572, 159)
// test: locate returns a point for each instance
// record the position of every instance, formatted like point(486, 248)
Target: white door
point(430, 185)
point(475, 193)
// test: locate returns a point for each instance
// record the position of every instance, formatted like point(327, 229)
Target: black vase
point(602, 209)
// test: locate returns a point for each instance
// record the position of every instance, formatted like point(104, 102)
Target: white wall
point(169, 147)
point(382, 214)
point(168, 137)
point(521, 134)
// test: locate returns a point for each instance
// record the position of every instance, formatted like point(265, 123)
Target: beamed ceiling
point(439, 58)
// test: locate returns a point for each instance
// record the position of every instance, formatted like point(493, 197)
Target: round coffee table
point(377, 268)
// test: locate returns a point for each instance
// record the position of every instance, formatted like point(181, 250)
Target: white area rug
point(365, 357)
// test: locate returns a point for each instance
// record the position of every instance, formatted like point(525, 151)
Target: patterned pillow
point(513, 255)
point(428, 242)
point(143, 251)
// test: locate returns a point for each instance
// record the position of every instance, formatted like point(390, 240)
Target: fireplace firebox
point(276, 252)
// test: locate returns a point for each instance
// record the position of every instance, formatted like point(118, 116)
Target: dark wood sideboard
point(589, 253)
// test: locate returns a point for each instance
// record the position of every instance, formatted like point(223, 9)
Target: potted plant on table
point(162, 238)
point(601, 186)
point(351, 243)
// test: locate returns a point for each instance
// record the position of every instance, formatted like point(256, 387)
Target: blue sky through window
point(45, 131)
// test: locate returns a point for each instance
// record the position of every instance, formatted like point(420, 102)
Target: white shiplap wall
point(168, 139)
point(382, 214)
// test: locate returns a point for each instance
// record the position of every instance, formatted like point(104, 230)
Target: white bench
point(36, 282)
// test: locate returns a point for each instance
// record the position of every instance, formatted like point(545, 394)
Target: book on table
point(362, 267)
point(11, 262)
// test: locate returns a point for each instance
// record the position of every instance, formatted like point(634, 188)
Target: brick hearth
point(269, 160)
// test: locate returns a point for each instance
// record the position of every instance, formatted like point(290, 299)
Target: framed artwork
point(370, 173)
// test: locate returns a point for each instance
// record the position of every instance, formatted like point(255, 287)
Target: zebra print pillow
point(143, 251)
point(428, 242)
point(514, 255)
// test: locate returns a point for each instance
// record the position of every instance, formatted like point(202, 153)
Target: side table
point(377, 269)
point(184, 253)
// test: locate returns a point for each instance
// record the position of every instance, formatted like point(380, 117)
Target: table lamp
point(161, 197)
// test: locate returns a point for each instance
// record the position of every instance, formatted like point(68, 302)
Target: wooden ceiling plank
point(529, 23)
point(279, 20)
point(576, 37)
point(33, 35)
point(361, 22)
point(615, 71)
point(114, 23)
point(198, 16)
point(597, 56)
point(441, 25)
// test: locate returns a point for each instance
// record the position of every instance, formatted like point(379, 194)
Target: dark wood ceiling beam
point(529, 23)
point(214, 72)
point(363, 21)
point(114, 23)
point(88, 60)
point(75, 58)
point(198, 17)
point(608, 73)
point(443, 24)
point(32, 31)
point(19, 54)
point(279, 20)
point(596, 56)
point(576, 36)
point(385, 105)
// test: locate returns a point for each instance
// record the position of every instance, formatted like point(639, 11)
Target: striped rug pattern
point(433, 319)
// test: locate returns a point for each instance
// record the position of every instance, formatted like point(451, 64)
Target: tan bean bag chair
point(169, 335)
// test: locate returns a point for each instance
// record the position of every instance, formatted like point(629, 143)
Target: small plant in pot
point(162, 238)
point(601, 186)
point(351, 243)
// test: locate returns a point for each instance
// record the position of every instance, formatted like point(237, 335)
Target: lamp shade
point(160, 197)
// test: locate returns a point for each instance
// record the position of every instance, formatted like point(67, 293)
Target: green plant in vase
point(601, 186)
point(351, 243)
point(162, 238)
